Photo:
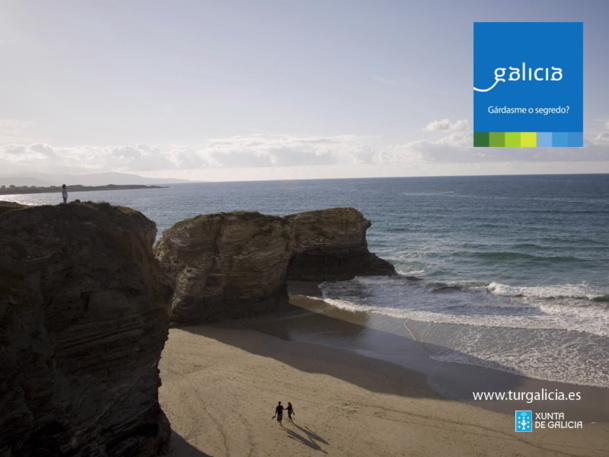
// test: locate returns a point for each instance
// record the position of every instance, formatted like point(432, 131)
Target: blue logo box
point(523, 421)
point(528, 78)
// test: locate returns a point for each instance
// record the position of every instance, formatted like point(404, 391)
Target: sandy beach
point(221, 384)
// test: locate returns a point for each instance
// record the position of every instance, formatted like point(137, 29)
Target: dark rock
point(83, 320)
point(225, 266)
point(330, 245)
point(235, 265)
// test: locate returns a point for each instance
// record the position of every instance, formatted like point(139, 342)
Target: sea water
point(506, 272)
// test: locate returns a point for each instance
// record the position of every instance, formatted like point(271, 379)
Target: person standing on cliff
point(278, 413)
point(64, 193)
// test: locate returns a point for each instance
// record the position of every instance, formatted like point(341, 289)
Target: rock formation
point(330, 245)
point(83, 320)
point(84, 314)
point(236, 265)
point(225, 265)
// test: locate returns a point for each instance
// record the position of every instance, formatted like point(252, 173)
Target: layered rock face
point(330, 245)
point(225, 266)
point(236, 265)
point(83, 320)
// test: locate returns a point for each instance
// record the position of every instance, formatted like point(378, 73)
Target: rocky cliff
point(236, 265)
point(225, 265)
point(82, 325)
point(330, 245)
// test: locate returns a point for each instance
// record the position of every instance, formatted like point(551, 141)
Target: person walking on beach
point(64, 193)
point(278, 413)
point(291, 412)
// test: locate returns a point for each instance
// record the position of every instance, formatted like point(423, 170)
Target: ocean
point(504, 272)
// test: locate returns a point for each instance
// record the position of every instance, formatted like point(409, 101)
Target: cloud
point(601, 139)
point(449, 149)
point(456, 147)
point(27, 154)
point(243, 159)
point(445, 125)
point(237, 152)
point(607, 125)
point(288, 151)
point(115, 158)
point(40, 157)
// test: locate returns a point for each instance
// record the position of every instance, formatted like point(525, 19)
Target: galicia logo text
point(524, 73)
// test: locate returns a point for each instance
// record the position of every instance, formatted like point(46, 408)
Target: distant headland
point(9, 190)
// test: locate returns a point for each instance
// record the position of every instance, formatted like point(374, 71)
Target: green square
point(512, 139)
point(481, 139)
point(497, 139)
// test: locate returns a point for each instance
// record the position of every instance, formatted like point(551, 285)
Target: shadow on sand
point(179, 447)
point(308, 437)
point(345, 347)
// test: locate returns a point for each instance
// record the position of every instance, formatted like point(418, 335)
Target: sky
point(269, 89)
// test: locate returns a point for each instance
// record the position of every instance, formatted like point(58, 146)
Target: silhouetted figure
point(278, 413)
point(291, 412)
point(64, 193)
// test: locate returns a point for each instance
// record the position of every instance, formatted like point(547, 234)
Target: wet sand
point(221, 384)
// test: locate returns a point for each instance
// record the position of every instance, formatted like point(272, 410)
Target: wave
point(581, 291)
point(545, 353)
point(575, 308)
point(540, 366)
point(591, 321)
point(508, 255)
point(427, 194)
point(389, 280)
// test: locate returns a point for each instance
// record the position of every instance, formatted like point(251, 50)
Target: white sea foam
point(553, 332)
point(552, 291)
point(469, 304)
point(571, 370)
point(548, 355)
point(414, 272)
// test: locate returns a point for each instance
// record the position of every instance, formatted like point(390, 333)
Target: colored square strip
point(528, 139)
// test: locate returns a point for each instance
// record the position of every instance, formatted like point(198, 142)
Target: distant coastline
point(10, 190)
